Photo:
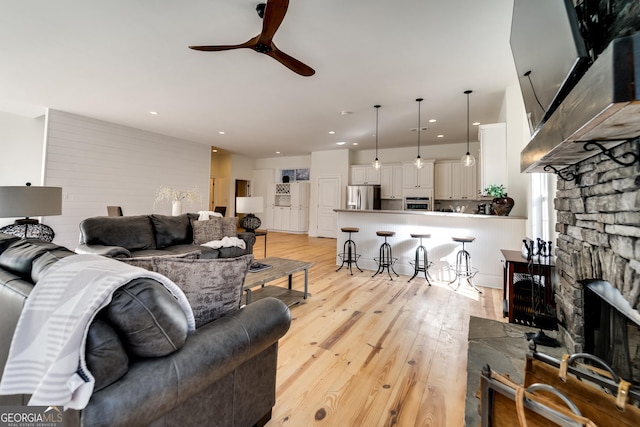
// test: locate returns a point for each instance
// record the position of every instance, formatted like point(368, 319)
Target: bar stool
point(386, 259)
point(463, 266)
point(422, 262)
point(349, 255)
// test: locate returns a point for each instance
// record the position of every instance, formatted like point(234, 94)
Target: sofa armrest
point(110, 251)
point(153, 387)
point(249, 240)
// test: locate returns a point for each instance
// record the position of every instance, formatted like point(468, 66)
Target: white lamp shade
point(249, 204)
point(28, 201)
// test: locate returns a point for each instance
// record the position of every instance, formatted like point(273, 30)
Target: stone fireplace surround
point(598, 225)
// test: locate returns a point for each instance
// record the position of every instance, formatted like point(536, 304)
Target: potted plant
point(501, 203)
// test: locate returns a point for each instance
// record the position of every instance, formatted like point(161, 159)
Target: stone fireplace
point(598, 225)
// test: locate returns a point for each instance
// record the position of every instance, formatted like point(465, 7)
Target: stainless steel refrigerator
point(363, 197)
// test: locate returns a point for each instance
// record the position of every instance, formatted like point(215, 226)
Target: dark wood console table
point(518, 296)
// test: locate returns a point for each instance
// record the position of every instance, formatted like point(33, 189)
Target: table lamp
point(249, 206)
point(28, 201)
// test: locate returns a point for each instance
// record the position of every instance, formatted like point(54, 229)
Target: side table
point(262, 233)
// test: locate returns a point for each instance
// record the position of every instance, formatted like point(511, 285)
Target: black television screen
point(549, 54)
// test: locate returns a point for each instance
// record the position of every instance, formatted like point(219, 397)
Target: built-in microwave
point(417, 203)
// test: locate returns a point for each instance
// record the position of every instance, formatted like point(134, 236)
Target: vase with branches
point(176, 197)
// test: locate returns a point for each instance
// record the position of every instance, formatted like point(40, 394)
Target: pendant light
point(468, 159)
point(376, 163)
point(418, 161)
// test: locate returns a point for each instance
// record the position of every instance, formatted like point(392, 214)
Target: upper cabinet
point(413, 177)
point(391, 181)
point(455, 181)
point(493, 155)
point(364, 174)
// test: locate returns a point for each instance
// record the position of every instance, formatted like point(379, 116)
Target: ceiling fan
point(272, 14)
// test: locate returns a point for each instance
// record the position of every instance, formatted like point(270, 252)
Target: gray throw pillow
point(146, 262)
point(213, 286)
point(171, 230)
point(214, 229)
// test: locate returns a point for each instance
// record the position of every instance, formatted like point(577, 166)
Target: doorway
point(243, 189)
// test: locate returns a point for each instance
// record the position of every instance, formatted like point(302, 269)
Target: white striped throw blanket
point(47, 352)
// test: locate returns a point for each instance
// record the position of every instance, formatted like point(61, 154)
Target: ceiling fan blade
point(248, 44)
point(290, 62)
point(273, 16)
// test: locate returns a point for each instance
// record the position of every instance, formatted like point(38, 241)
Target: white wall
point(452, 151)
point(22, 142)
point(99, 163)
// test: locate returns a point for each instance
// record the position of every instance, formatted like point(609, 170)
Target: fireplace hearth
point(612, 329)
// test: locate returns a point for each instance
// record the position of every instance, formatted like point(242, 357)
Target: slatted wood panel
point(373, 352)
point(99, 163)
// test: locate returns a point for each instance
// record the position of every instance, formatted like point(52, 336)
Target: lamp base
point(250, 223)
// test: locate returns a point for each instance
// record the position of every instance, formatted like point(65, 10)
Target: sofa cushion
point(212, 286)
point(171, 230)
point(105, 355)
point(6, 240)
point(42, 263)
point(148, 318)
point(131, 232)
point(214, 229)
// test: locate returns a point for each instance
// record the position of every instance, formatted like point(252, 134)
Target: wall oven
point(417, 203)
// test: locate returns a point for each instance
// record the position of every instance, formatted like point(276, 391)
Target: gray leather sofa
point(222, 374)
point(149, 235)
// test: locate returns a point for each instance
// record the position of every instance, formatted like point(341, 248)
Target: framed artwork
point(302, 174)
point(289, 173)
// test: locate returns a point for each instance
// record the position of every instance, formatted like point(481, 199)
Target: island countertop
point(429, 213)
point(491, 233)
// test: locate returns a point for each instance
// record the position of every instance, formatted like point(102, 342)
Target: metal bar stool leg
point(421, 263)
point(385, 258)
point(349, 251)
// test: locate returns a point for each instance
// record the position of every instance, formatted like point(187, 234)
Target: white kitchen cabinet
point(413, 177)
point(364, 174)
point(290, 210)
point(453, 181)
point(391, 182)
point(493, 155)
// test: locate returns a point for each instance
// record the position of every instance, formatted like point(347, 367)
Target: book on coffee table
point(258, 266)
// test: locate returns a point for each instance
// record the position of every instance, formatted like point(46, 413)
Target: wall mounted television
point(549, 54)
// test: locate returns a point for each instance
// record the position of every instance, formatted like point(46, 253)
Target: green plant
point(496, 191)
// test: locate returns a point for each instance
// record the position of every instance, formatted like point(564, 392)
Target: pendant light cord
point(377, 109)
point(419, 101)
point(468, 92)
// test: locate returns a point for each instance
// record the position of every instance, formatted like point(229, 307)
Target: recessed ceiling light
point(440, 136)
point(340, 143)
point(331, 132)
point(345, 113)
point(221, 132)
point(432, 120)
point(153, 113)
point(277, 152)
point(355, 143)
point(476, 123)
point(213, 150)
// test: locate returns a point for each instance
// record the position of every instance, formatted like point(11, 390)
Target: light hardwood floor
point(366, 351)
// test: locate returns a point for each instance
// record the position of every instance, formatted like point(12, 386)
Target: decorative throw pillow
point(214, 229)
point(146, 262)
point(213, 286)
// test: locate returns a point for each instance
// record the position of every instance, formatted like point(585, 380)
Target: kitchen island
point(491, 233)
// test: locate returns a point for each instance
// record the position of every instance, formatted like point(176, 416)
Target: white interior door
point(328, 200)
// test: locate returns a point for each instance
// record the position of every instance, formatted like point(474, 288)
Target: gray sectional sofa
point(153, 235)
point(221, 374)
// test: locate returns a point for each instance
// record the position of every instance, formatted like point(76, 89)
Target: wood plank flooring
point(366, 351)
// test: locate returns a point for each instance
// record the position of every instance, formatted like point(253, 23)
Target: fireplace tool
point(539, 312)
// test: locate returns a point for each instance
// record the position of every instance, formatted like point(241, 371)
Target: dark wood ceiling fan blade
point(290, 62)
point(273, 16)
point(248, 44)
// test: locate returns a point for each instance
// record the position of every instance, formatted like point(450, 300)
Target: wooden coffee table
point(281, 267)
